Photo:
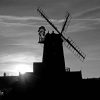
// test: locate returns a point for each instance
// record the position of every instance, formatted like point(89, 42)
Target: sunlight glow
point(22, 68)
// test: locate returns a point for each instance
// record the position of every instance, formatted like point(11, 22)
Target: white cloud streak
point(20, 18)
point(18, 58)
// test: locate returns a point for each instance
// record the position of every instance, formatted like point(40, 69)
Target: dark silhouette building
point(51, 70)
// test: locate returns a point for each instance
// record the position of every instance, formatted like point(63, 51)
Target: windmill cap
point(41, 27)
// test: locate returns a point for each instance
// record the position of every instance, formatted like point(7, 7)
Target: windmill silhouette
point(53, 55)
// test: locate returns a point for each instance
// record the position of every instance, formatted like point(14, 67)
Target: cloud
point(25, 19)
point(83, 21)
point(19, 31)
point(16, 18)
point(19, 21)
point(89, 13)
point(18, 58)
point(79, 25)
point(12, 26)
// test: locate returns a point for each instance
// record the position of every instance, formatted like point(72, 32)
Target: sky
point(19, 23)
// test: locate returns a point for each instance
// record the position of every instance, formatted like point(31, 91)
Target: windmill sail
point(66, 20)
point(43, 15)
point(70, 43)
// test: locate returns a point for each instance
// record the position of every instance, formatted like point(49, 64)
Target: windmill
point(53, 55)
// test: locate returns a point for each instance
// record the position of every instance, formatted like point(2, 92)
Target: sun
point(22, 68)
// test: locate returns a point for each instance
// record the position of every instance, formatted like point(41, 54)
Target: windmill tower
point(53, 56)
